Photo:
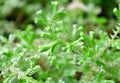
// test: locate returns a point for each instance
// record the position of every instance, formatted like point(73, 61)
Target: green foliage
point(59, 51)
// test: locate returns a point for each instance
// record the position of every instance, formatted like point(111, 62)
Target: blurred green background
point(93, 14)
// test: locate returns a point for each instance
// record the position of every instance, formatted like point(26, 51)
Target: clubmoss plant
point(57, 53)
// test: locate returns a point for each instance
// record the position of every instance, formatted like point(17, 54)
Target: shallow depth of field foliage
point(62, 41)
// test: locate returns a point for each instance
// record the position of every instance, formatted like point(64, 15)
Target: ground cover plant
point(57, 50)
